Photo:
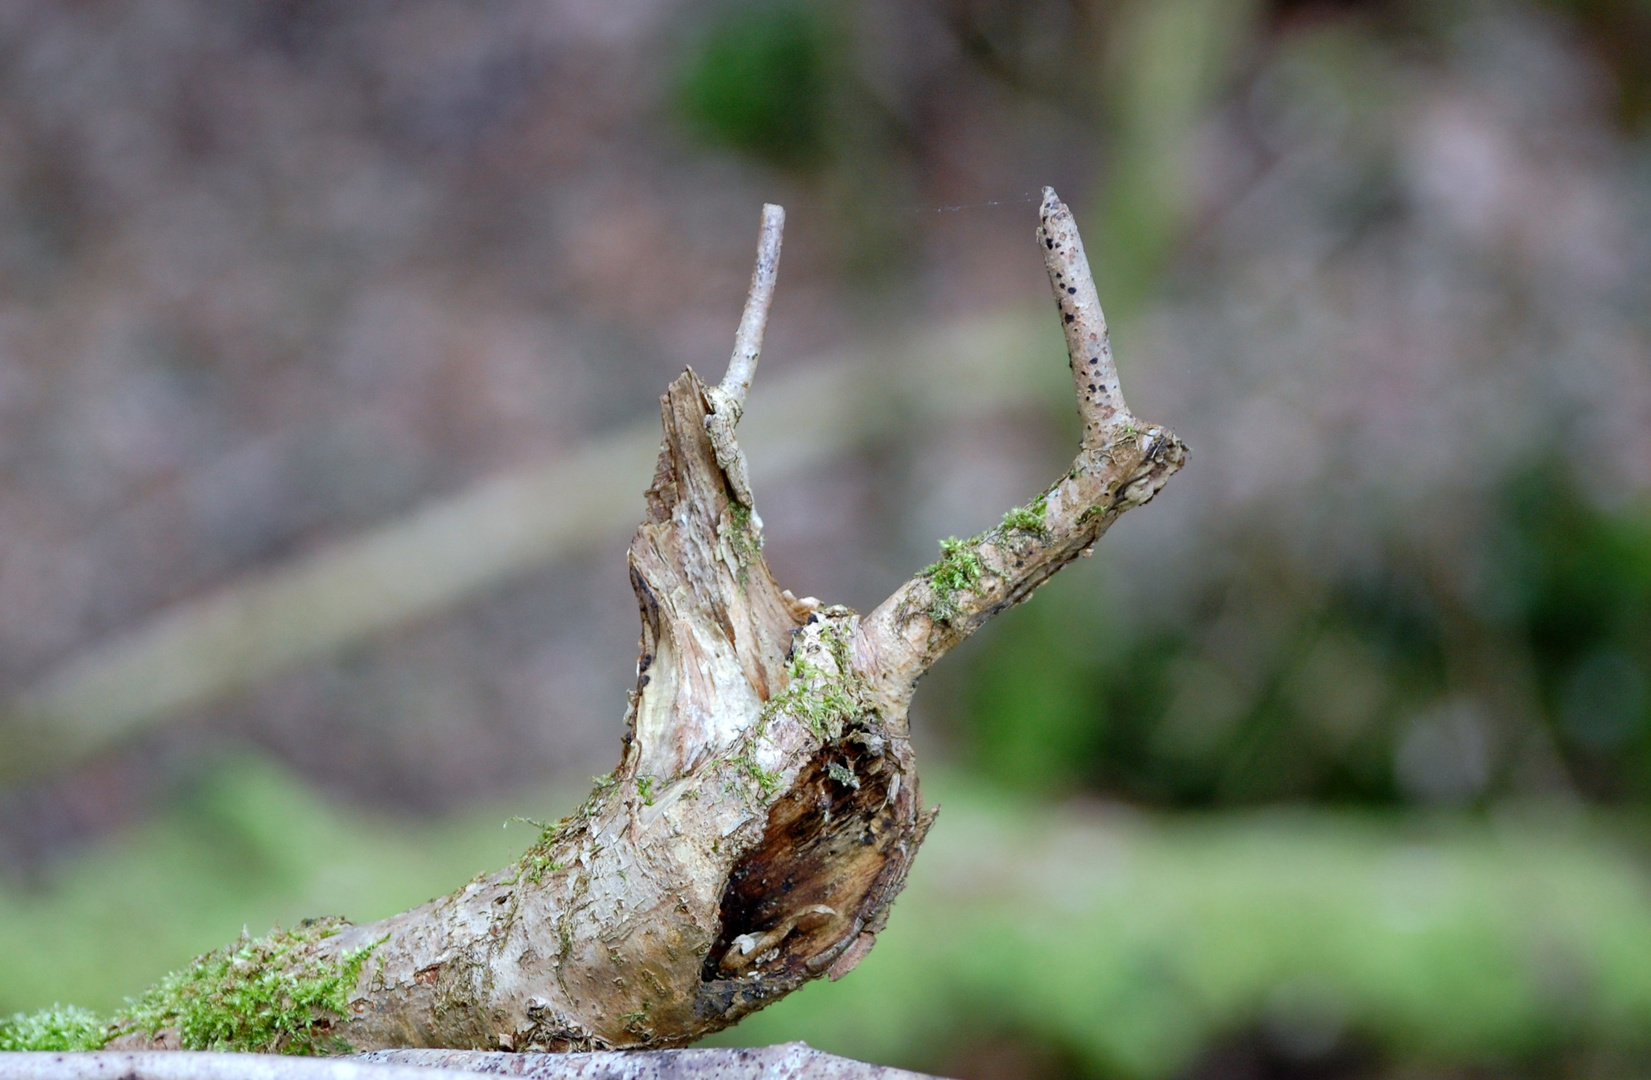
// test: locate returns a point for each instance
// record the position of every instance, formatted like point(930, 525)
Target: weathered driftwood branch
point(765, 810)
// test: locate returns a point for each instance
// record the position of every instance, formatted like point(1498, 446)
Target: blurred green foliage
point(1330, 679)
point(1575, 584)
point(757, 81)
point(1166, 63)
point(1126, 941)
point(247, 849)
point(785, 84)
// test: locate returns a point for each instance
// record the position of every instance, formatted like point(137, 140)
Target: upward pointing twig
point(748, 339)
point(727, 401)
point(1121, 463)
point(1100, 399)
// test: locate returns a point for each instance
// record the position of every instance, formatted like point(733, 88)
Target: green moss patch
point(823, 701)
point(742, 536)
point(268, 995)
point(56, 1028)
point(826, 701)
point(537, 860)
point(1028, 519)
point(958, 571)
point(767, 780)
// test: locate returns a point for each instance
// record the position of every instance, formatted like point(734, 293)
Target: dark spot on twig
point(1071, 290)
point(1070, 316)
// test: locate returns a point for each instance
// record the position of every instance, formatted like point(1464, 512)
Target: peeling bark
point(766, 808)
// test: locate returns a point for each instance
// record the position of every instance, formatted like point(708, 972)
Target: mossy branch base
point(272, 995)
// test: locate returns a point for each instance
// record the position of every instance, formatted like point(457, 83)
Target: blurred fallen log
point(790, 1061)
point(211, 647)
point(785, 1061)
point(152, 1065)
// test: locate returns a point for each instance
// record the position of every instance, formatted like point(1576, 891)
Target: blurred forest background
point(330, 339)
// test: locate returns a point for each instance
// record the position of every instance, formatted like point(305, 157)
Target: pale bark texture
point(787, 1061)
point(765, 810)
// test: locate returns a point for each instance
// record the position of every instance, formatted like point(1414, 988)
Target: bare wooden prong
point(1095, 377)
point(1121, 463)
point(742, 365)
point(728, 399)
